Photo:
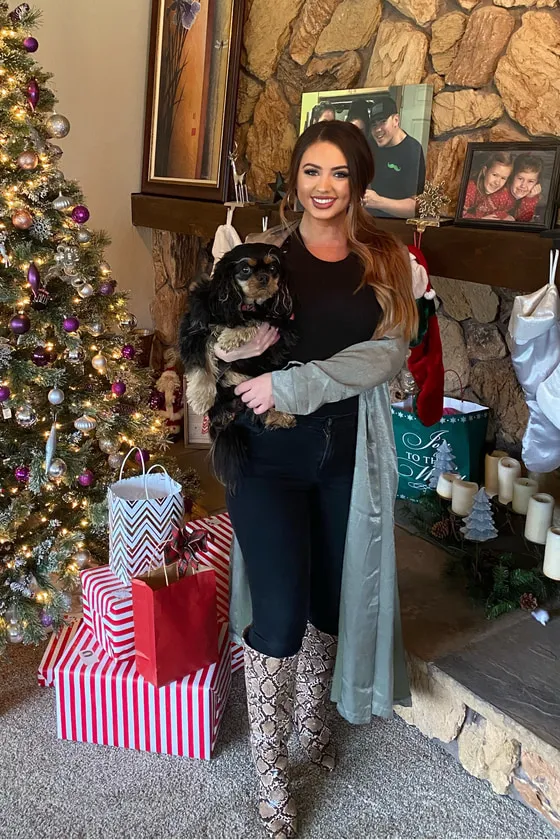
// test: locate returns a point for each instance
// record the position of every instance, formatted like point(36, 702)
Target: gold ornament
point(99, 362)
point(115, 461)
point(22, 219)
point(108, 446)
point(82, 558)
point(28, 160)
point(58, 126)
point(85, 423)
point(432, 201)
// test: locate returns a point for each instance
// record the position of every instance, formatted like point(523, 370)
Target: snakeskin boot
point(270, 685)
point(315, 668)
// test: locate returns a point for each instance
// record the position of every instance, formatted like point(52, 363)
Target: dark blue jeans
point(290, 513)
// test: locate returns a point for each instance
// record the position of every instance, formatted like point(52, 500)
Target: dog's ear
point(280, 305)
point(224, 295)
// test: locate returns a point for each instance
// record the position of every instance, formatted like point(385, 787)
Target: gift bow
point(183, 546)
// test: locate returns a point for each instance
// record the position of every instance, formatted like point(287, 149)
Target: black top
point(400, 170)
point(329, 314)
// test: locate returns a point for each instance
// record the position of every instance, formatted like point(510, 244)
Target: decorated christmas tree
point(73, 400)
point(444, 463)
point(479, 524)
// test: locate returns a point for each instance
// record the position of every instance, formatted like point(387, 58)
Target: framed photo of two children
point(510, 185)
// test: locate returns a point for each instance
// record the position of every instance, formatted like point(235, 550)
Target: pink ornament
point(80, 214)
point(33, 93)
point(22, 474)
point(118, 389)
point(128, 352)
point(31, 44)
point(145, 455)
point(86, 478)
point(20, 324)
point(33, 278)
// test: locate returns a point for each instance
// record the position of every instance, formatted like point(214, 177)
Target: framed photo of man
point(396, 123)
point(510, 185)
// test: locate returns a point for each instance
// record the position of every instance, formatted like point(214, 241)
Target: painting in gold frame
point(192, 85)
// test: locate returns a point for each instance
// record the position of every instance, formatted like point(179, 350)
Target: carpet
point(390, 782)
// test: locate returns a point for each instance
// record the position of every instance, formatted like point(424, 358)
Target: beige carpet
point(391, 782)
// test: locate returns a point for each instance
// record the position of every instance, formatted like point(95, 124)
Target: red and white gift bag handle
point(145, 472)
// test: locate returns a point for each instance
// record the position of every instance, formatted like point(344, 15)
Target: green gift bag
point(465, 432)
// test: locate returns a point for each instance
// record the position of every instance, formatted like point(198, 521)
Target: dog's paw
point(279, 420)
point(231, 338)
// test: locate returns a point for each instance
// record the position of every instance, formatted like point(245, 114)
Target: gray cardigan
point(370, 672)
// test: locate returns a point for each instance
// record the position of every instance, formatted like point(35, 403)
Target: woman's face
point(495, 177)
point(523, 183)
point(323, 185)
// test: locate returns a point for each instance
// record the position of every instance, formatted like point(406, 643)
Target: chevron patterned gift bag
point(142, 513)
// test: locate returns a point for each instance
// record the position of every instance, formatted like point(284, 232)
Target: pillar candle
point(539, 517)
point(523, 489)
point(551, 566)
point(491, 471)
point(462, 497)
point(508, 470)
point(445, 485)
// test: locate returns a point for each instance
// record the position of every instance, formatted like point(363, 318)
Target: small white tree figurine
point(479, 524)
point(444, 463)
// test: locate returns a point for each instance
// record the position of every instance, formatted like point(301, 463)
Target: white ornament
point(85, 423)
point(55, 396)
point(99, 362)
point(86, 290)
point(50, 448)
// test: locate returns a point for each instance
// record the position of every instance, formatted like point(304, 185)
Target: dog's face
point(256, 269)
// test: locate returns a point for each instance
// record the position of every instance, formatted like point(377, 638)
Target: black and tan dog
point(248, 287)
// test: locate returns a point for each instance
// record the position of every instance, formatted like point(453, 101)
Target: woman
point(313, 513)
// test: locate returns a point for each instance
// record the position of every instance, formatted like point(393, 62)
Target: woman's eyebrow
point(333, 168)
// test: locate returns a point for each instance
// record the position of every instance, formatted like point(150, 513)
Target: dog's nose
point(263, 278)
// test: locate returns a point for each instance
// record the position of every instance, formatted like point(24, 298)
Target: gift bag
point(142, 513)
point(464, 430)
point(175, 622)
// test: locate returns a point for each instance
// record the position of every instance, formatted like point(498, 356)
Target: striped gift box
point(102, 701)
point(107, 606)
point(217, 554)
point(55, 648)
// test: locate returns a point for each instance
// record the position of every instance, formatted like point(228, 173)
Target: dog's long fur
point(247, 288)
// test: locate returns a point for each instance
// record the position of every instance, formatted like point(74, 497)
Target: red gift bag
point(175, 623)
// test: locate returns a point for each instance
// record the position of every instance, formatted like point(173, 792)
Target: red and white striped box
point(107, 606)
point(56, 646)
point(102, 701)
point(217, 556)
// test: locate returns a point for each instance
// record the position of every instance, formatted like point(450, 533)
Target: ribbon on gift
point(183, 546)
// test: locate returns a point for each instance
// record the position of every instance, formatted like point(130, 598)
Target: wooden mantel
point(511, 259)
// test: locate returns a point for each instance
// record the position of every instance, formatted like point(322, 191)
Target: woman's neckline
point(314, 256)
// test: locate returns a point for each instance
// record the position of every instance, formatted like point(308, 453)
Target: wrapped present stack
point(102, 696)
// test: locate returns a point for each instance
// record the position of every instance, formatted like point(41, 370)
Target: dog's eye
point(246, 270)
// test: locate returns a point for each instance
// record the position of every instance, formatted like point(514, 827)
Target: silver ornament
point(82, 558)
point(128, 321)
point(115, 461)
point(108, 446)
point(95, 329)
point(55, 396)
point(62, 203)
point(76, 281)
point(75, 356)
point(15, 632)
point(26, 416)
point(54, 151)
point(99, 362)
point(58, 176)
point(58, 126)
point(85, 423)
point(86, 290)
point(57, 469)
point(50, 447)
point(83, 236)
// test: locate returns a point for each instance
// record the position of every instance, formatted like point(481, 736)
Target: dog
point(248, 287)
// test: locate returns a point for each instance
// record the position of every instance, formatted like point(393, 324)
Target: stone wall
point(494, 65)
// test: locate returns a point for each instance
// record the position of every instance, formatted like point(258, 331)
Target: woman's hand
point(257, 393)
point(265, 337)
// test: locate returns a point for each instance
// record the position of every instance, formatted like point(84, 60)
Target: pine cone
point(528, 602)
point(440, 530)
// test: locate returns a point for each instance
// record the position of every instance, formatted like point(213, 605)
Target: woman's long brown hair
point(385, 261)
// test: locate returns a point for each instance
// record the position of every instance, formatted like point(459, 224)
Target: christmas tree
point(73, 400)
point(479, 524)
point(444, 463)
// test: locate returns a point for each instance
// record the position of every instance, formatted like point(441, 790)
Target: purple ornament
point(128, 352)
point(4, 393)
point(86, 479)
point(22, 474)
point(118, 389)
point(31, 44)
point(107, 287)
point(41, 356)
point(70, 324)
point(46, 620)
point(80, 214)
point(145, 455)
point(33, 93)
point(34, 278)
point(20, 324)
point(157, 401)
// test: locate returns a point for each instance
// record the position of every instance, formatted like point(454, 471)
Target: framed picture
point(396, 122)
point(192, 84)
point(510, 185)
